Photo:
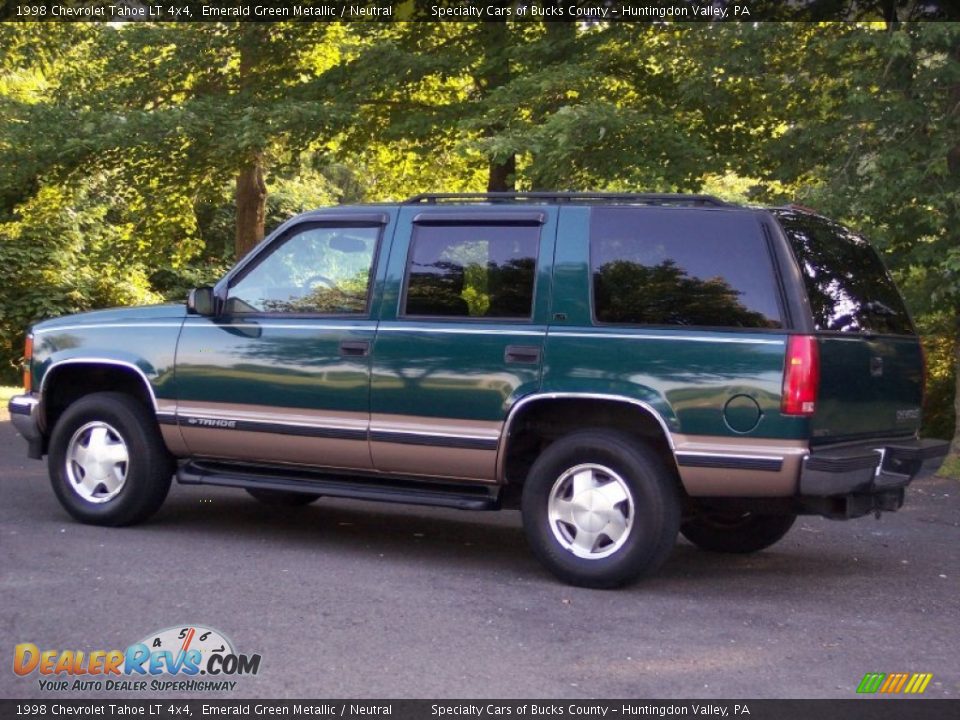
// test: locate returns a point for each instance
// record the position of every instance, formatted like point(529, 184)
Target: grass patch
point(950, 467)
point(7, 392)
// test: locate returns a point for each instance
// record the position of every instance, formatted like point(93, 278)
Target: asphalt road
point(349, 599)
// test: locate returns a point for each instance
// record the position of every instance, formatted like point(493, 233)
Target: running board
point(379, 489)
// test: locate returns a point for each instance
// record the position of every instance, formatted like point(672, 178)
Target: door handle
point(521, 354)
point(355, 348)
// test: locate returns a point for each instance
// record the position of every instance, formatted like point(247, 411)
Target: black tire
point(653, 525)
point(148, 469)
point(736, 533)
point(282, 498)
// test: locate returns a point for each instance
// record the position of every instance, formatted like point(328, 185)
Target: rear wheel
point(282, 498)
point(744, 532)
point(107, 462)
point(600, 510)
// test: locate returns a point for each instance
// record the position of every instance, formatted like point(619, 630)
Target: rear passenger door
point(461, 336)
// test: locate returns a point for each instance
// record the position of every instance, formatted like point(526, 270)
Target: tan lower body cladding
point(262, 434)
point(464, 449)
point(738, 467)
point(449, 449)
point(396, 444)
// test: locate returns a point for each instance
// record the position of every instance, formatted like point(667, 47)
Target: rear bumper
point(24, 414)
point(870, 469)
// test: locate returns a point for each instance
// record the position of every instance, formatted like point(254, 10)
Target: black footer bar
point(875, 708)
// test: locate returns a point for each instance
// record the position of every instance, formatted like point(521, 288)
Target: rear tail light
point(801, 376)
point(27, 362)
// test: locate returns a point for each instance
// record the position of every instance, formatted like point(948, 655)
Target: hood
point(170, 311)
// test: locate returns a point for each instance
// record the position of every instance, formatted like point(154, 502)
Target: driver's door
point(282, 373)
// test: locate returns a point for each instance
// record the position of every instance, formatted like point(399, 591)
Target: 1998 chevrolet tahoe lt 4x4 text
point(623, 366)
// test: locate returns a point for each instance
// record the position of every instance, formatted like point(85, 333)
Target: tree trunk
point(251, 206)
point(955, 443)
point(503, 175)
point(558, 47)
point(251, 194)
point(494, 73)
point(953, 175)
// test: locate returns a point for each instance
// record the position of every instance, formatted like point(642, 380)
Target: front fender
point(147, 349)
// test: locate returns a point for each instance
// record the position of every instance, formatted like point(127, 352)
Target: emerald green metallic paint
point(455, 368)
point(143, 337)
point(126, 315)
point(869, 386)
point(278, 360)
point(292, 363)
point(686, 374)
point(742, 413)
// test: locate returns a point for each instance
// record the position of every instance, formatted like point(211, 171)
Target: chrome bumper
point(24, 414)
point(870, 469)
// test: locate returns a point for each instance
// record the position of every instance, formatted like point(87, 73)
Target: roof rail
point(569, 197)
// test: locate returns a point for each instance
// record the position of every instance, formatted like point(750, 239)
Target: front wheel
point(744, 532)
point(600, 510)
point(107, 462)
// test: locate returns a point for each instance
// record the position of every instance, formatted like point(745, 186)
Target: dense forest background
point(139, 160)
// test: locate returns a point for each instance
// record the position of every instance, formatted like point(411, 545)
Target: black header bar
point(160, 709)
point(581, 11)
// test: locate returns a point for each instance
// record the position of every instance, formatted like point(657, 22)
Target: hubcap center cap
point(590, 511)
point(96, 462)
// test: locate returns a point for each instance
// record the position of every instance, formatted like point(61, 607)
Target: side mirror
point(200, 301)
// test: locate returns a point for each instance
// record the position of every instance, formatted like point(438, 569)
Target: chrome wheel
point(96, 462)
point(590, 509)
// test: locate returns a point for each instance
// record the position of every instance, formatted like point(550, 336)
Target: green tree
point(868, 131)
point(201, 104)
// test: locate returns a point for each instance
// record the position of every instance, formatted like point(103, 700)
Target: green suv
point(622, 367)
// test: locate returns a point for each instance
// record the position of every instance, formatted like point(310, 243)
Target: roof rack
point(569, 197)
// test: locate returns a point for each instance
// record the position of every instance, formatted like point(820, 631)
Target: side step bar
point(380, 489)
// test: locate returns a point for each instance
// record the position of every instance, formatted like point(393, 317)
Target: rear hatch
point(871, 363)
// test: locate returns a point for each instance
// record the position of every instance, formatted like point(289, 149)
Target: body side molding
point(522, 402)
point(97, 361)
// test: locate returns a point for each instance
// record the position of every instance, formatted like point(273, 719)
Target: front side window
point(316, 270)
point(669, 266)
point(471, 271)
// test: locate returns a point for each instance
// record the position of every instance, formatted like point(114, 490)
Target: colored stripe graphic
point(919, 681)
point(907, 683)
point(870, 683)
point(889, 682)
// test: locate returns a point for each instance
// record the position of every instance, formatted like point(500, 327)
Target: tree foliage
point(869, 133)
point(141, 159)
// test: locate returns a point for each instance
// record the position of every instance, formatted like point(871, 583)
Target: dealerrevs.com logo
point(182, 658)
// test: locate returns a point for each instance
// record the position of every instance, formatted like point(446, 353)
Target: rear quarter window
point(849, 289)
point(673, 266)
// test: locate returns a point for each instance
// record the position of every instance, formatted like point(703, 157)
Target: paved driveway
point(351, 599)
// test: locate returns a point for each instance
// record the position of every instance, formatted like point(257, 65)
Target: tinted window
point(472, 271)
point(848, 286)
point(317, 269)
point(669, 266)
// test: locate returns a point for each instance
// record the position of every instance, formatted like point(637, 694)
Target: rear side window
point(472, 271)
point(849, 288)
point(671, 266)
